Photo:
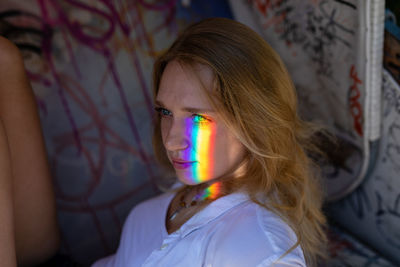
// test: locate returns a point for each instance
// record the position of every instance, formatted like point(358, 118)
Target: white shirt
point(231, 231)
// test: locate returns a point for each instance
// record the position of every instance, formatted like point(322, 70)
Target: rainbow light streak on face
point(202, 149)
point(202, 136)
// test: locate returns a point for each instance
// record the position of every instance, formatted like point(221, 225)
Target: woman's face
point(197, 142)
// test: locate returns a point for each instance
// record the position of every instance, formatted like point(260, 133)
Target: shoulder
point(153, 206)
point(7, 45)
point(278, 233)
point(11, 62)
point(141, 234)
point(252, 235)
point(9, 51)
point(148, 208)
point(280, 238)
point(250, 220)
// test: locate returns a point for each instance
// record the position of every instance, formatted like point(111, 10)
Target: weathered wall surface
point(323, 44)
point(90, 64)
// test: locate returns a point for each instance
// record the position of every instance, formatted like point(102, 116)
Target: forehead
point(185, 85)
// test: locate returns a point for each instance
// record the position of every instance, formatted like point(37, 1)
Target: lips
point(182, 164)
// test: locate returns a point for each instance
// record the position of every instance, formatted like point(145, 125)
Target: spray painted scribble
point(359, 202)
point(317, 27)
point(392, 150)
point(354, 99)
point(391, 97)
point(388, 220)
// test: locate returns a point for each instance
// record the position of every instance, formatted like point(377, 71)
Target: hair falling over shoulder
point(257, 100)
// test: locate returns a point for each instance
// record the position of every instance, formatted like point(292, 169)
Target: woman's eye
point(200, 119)
point(163, 112)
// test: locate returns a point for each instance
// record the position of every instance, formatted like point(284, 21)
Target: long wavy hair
point(257, 100)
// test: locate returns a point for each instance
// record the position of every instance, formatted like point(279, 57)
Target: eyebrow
point(188, 109)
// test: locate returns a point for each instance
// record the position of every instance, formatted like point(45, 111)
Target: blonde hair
point(257, 100)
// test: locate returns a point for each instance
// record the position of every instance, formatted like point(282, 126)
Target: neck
point(210, 190)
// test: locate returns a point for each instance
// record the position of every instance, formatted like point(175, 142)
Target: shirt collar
point(214, 210)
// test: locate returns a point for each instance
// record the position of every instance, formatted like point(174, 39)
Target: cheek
point(202, 151)
point(220, 151)
point(203, 140)
point(228, 150)
point(164, 128)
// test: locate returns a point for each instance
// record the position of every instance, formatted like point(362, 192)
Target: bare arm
point(7, 244)
point(34, 214)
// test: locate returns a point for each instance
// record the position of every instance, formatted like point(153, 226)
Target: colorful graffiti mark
point(354, 99)
point(315, 25)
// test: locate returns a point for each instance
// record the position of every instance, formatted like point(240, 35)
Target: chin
point(188, 180)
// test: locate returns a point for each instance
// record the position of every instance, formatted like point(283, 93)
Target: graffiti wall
point(327, 48)
point(90, 65)
point(372, 212)
point(323, 44)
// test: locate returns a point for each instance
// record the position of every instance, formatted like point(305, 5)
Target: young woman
point(28, 226)
point(247, 193)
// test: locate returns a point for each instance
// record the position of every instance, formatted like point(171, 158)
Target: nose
point(175, 136)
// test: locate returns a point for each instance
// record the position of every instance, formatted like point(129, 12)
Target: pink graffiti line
point(97, 122)
point(354, 98)
point(46, 47)
point(99, 44)
point(135, 59)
